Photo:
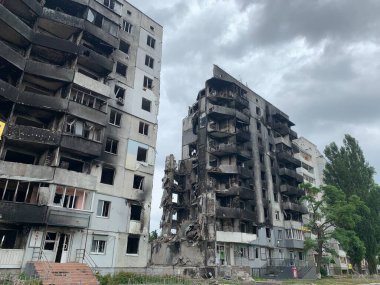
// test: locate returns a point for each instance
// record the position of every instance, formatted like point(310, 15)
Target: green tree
point(153, 235)
point(348, 170)
point(330, 213)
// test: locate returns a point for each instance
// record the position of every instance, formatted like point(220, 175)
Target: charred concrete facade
point(79, 94)
point(232, 200)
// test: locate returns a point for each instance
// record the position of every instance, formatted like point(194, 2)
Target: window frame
point(102, 209)
point(144, 128)
point(97, 246)
point(112, 146)
point(149, 61)
point(128, 243)
point(145, 101)
point(146, 154)
point(115, 119)
point(148, 82)
point(150, 41)
point(127, 26)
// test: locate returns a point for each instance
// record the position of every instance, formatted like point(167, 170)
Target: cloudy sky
point(317, 60)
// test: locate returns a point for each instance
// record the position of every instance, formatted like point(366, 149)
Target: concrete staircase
point(72, 273)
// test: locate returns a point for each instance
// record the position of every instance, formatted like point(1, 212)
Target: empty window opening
point(108, 175)
point(129, 13)
point(71, 164)
point(192, 150)
point(243, 227)
point(146, 104)
point(8, 239)
point(142, 154)
point(148, 82)
point(149, 61)
point(268, 232)
point(121, 69)
point(136, 212)
point(174, 198)
point(150, 41)
point(115, 118)
point(151, 28)
point(15, 156)
point(127, 26)
point(277, 215)
point(25, 121)
point(143, 128)
point(124, 46)
point(258, 111)
point(103, 209)
point(133, 244)
point(111, 146)
point(258, 125)
point(138, 182)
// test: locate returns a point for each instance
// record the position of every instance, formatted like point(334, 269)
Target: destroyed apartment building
point(79, 94)
point(233, 198)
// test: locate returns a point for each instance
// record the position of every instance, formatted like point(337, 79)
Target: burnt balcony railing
point(32, 135)
point(243, 192)
point(291, 190)
point(295, 207)
point(23, 213)
point(290, 173)
point(68, 217)
point(234, 213)
point(288, 158)
point(81, 145)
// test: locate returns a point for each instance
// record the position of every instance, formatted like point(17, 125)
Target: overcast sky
point(318, 61)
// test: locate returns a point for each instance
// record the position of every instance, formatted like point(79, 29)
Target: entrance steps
point(72, 273)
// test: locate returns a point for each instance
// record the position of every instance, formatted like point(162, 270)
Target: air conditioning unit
point(120, 100)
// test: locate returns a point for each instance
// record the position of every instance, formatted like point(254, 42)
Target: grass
point(336, 281)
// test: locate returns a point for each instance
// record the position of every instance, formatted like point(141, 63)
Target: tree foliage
point(153, 235)
point(348, 170)
point(331, 214)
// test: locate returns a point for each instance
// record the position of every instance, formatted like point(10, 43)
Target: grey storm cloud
point(317, 60)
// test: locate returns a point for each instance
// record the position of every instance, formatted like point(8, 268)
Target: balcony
point(280, 127)
point(234, 213)
point(32, 135)
point(94, 61)
point(235, 237)
point(13, 29)
point(220, 112)
point(59, 23)
point(223, 149)
point(292, 134)
point(243, 136)
point(283, 140)
point(290, 174)
point(11, 258)
point(81, 145)
point(295, 207)
point(74, 179)
point(49, 71)
point(288, 158)
point(22, 213)
point(25, 172)
point(230, 169)
point(92, 84)
point(102, 35)
point(292, 243)
point(291, 190)
point(243, 192)
point(68, 218)
point(87, 113)
point(12, 56)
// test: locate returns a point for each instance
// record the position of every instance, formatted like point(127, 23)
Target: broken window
point(133, 244)
point(150, 41)
point(15, 156)
point(243, 227)
point(98, 245)
point(258, 111)
point(71, 164)
point(146, 104)
point(103, 209)
point(258, 126)
point(277, 215)
point(87, 97)
point(148, 82)
point(108, 175)
point(143, 128)
point(113, 5)
point(149, 61)
point(151, 28)
point(115, 118)
point(268, 233)
point(7, 239)
point(142, 154)
point(111, 146)
point(121, 69)
point(127, 26)
point(50, 239)
point(135, 212)
point(124, 46)
point(120, 94)
point(138, 182)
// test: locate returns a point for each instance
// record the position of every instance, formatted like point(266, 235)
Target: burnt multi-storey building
point(233, 198)
point(79, 94)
